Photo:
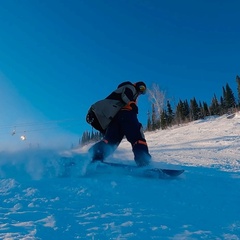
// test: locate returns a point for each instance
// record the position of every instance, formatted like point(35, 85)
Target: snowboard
point(72, 165)
point(147, 171)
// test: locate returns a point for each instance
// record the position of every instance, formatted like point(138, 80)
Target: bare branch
point(157, 97)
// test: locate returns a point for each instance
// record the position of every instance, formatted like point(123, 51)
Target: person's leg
point(98, 151)
point(141, 153)
point(133, 131)
point(108, 144)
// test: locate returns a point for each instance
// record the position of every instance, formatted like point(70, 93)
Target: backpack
point(101, 113)
point(91, 118)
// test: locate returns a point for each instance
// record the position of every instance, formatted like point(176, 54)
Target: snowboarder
point(121, 111)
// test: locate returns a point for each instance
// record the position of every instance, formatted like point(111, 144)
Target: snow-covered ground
point(203, 203)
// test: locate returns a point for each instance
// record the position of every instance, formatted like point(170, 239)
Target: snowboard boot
point(98, 151)
point(141, 154)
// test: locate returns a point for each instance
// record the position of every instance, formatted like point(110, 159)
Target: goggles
point(142, 89)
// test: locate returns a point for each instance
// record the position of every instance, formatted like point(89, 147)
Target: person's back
point(103, 111)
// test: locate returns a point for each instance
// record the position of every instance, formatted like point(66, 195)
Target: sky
point(59, 57)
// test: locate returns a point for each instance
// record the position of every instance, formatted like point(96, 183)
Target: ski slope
point(203, 203)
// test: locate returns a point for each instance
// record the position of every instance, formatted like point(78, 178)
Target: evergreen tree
point(149, 123)
point(163, 119)
point(205, 110)
point(85, 138)
point(194, 110)
point(170, 114)
point(180, 112)
point(228, 99)
point(201, 115)
point(88, 137)
point(186, 110)
point(238, 89)
point(223, 100)
point(222, 106)
point(92, 135)
point(214, 107)
point(155, 121)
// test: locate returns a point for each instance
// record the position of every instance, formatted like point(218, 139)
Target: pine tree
point(201, 115)
point(85, 138)
point(149, 123)
point(155, 120)
point(205, 110)
point(228, 98)
point(238, 89)
point(170, 114)
point(90, 137)
point(194, 110)
point(163, 119)
point(214, 107)
point(180, 112)
point(222, 105)
point(186, 110)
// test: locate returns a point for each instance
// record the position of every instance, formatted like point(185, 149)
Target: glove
point(134, 107)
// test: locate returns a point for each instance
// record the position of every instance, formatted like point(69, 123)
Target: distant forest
point(163, 116)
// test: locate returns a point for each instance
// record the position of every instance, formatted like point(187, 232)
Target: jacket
point(106, 109)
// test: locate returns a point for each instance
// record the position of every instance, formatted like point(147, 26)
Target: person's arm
point(128, 94)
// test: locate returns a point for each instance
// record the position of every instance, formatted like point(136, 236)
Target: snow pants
point(125, 123)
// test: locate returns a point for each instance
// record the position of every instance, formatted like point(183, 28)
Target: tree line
point(88, 137)
point(163, 116)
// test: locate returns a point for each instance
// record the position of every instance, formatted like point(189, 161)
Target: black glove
point(134, 107)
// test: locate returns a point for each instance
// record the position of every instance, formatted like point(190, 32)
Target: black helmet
point(141, 87)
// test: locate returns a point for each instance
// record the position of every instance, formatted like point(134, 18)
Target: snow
point(202, 203)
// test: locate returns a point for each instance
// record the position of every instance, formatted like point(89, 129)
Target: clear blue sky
point(58, 57)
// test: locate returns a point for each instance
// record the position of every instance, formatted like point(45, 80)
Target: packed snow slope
point(38, 201)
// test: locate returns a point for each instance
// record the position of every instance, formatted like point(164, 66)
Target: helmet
point(140, 87)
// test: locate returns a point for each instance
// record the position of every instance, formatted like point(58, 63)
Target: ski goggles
point(142, 89)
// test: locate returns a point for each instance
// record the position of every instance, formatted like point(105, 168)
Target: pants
point(125, 123)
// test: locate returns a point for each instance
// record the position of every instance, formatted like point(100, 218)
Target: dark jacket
point(106, 109)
